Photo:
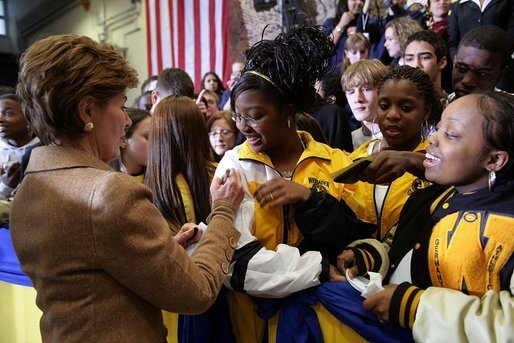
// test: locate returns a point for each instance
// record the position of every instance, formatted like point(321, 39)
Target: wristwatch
point(339, 29)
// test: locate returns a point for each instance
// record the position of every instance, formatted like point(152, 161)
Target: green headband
point(265, 78)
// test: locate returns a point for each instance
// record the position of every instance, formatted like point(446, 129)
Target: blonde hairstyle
point(354, 42)
point(57, 72)
point(402, 28)
point(367, 73)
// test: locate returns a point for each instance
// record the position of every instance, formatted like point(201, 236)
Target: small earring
point(375, 134)
point(289, 122)
point(492, 179)
point(425, 129)
point(89, 127)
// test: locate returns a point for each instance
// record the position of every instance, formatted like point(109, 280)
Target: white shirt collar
point(486, 2)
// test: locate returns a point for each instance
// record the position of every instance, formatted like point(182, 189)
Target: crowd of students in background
point(409, 91)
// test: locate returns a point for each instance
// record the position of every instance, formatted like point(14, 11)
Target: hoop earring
point(491, 180)
point(424, 129)
point(89, 127)
point(374, 133)
point(29, 130)
point(289, 122)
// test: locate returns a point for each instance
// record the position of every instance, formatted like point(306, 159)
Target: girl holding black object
point(407, 109)
point(453, 243)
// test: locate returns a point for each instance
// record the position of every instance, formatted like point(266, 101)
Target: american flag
point(189, 34)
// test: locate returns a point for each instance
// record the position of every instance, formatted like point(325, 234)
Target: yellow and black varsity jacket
point(267, 260)
point(461, 266)
point(397, 194)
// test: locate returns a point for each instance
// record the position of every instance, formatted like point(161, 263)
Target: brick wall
point(246, 25)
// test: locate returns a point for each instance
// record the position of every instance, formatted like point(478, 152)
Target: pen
point(195, 231)
point(225, 176)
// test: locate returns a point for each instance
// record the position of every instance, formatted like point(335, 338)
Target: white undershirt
point(380, 191)
point(380, 195)
point(402, 272)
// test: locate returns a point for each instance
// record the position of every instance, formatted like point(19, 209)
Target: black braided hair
point(424, 86)
point(294, 60)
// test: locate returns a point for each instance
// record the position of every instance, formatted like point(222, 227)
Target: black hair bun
point(294, 60)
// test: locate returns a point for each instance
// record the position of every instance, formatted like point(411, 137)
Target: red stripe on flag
point(158, 34)
point(187, 23)
point(172, 39)
point(148, 38)
point(212, 33)
point(226, 65)
point(181, 35)
point(197, 77)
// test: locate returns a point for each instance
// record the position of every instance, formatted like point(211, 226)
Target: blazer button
point(233, 242)
point(228, 253)
point(224, 267)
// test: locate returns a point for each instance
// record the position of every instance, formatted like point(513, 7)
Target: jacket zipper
point(287, 226)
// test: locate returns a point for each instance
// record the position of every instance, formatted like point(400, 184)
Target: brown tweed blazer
point(102, 257)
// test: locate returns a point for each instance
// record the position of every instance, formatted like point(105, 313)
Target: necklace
point(288, 174)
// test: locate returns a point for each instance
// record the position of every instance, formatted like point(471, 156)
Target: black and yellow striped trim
point(404, 304)
point(367, 258)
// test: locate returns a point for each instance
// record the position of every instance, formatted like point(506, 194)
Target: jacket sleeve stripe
point(367, 258)
point(241, 259)
point(404, 304)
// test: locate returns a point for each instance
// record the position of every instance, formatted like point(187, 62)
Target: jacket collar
point(47, 158)
point(486, 2)
point(5, 145)
point(312, 149)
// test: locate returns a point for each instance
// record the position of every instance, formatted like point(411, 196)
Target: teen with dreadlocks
point(286, 175)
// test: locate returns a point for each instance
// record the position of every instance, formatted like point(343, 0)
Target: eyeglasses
point(222, 133)
point(252, 122)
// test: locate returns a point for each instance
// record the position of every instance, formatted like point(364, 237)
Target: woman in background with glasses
point(286, 175)
point(222, 132)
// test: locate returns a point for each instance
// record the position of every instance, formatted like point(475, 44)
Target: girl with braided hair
point(407, 110)
point(286, 176)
